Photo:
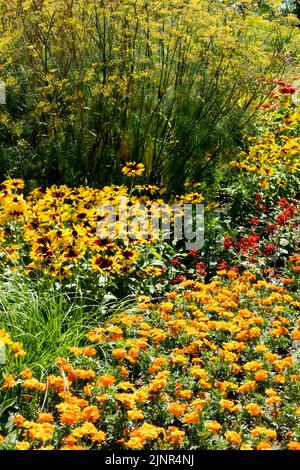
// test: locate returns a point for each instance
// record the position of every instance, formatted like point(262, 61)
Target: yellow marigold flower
point(271, 357)
point(186, 394)
point(126, 399)
point(88, 430)
point(135, 414)
point(22, 445)
point(213, 426)
point(83, 351)
point(260, 348)
point(81, 374)
point(279, 379)
point(124, 372)
point(253, 409)
point(191, 418)
point(160, 381)
point(58, 383)
point(262, 431)
point(273, 399)
point(5, 337)
point(232, 274)
point(236, 369)
point(198, 404)
point(246, 447)
point(172, 295)
point(233, 437)
point(296, 334)
point(102, 398)
point(197, 372)
point(135, 443)
point(253, 366)
point(166, 307)
point(149, 431)
point(41, 432)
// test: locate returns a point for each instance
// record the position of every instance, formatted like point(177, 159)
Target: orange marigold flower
point(176, 409)
point(294, 445)
point(119, 353)
point(18, 420)
point(233, 437)
point(91, 413)
point(26, 374)
point(175, 436)
point(246, 387)
point(33, 384)
point(45, 418)
point(106, 380)
point(213, 426)
point(69, 414)
point(191, 418)
point(264, 445)
point(9, 382)
point(261, 375)
point(229, 405)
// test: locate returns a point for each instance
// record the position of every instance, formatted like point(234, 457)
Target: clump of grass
point(46, 320)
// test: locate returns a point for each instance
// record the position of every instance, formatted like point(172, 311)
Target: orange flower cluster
point(203, 368)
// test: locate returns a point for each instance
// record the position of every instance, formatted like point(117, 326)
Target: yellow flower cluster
point(56, 229)
point(276, 150)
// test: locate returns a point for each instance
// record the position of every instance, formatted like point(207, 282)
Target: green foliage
point(93, 84)
point(47, 321)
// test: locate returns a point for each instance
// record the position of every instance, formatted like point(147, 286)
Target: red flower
point(228, 242)
point(200, 268)
point(287, 90)
point(178, 280)
point(270, 248)
point(193, 252)
point(254, 221)
point(222, 265)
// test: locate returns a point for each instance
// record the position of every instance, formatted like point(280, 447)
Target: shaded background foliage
point(92, 84)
